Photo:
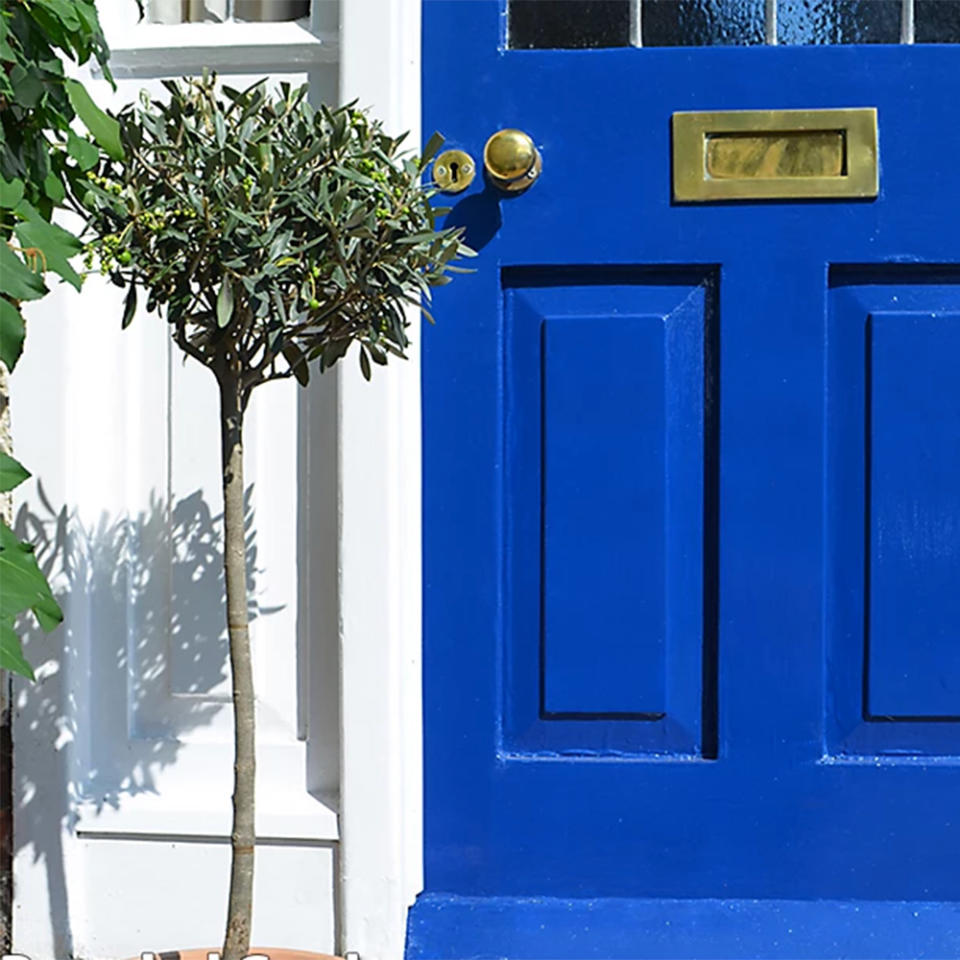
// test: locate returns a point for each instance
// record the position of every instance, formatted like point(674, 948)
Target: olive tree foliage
point(272, 236)
point(43, 158)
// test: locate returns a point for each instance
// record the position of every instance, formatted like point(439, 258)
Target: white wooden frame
point(377, 432)
point(380, 543)
point(366, 743)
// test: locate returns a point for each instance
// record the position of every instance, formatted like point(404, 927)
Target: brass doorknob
point(512, 160)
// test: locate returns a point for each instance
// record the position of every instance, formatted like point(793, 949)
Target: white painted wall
point(122, 762)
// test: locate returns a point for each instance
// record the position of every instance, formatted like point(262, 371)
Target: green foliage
point(270, 233)
point(23, 586)
point(42, 163)
point(41, 158)
point(105, 130)
point(12, 473)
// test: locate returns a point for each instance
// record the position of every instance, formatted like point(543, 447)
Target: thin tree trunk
point(242, 838)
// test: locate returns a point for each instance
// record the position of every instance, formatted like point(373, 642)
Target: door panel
point(604, 439)
point(689, 499)
point(914, 496)
point(603, 527)
point(892, 415)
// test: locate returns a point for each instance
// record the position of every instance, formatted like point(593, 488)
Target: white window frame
point(141, 49)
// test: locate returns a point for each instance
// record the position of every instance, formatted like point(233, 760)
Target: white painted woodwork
point(123, 747)
point(379, 440)
point(132, 894)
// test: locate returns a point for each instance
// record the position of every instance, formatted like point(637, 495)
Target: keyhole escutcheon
point(454, 171)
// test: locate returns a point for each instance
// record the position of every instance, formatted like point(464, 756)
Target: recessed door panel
point(893, 508)
point(608, 435)
point(914, 537)
point(604, 517)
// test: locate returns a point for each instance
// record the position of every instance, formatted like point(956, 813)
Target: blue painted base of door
point(484, 928)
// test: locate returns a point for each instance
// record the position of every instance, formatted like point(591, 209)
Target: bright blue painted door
point(692, 520)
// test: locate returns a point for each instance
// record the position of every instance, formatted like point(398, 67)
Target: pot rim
point(203, 953)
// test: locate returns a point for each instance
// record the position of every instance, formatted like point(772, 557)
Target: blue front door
point(692, 512)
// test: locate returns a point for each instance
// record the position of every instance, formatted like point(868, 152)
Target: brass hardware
point(454, 170)
point(512, 160)
point(775, 154)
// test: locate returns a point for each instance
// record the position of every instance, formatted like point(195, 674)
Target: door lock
point(512, 160)
point(454, 170)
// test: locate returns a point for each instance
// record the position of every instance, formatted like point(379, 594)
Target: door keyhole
point(454, 171)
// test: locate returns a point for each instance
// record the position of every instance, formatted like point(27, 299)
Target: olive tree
point(273, 237)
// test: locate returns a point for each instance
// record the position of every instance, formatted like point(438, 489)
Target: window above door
point(585, 24)
point(220, 11)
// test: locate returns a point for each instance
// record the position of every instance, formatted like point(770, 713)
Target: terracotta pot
point(273, 954)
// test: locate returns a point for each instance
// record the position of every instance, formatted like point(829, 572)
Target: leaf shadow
point(139, 664)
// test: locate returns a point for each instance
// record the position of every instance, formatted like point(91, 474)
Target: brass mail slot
point(775, 154)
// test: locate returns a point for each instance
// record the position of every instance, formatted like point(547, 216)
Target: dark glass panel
point(838, 21)
point(568, 24)
point(698, 23)
point(936, 21)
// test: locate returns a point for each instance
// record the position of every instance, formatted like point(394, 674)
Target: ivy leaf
point(24, 586)
point(82, 150)
point(6, 51)
point(27, 87)
point(63, 11)
point(11, 192)
point(11, 652)
point(57, 244)
point(12, 332)
point(225, 303)
point(12, 472)
point(53, 188)
point(364, 363)
point(103, 128)
point(17, 280)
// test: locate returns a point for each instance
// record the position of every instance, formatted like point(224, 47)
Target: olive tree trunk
point(242, 837)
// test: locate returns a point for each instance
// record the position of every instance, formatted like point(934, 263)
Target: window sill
point(161, 50)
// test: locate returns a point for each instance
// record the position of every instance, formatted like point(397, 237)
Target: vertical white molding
point(770, 21)
point(380, 584)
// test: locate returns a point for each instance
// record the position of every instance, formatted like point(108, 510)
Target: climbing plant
point(43, 159)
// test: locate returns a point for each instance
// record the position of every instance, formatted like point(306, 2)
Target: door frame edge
point(379, 479)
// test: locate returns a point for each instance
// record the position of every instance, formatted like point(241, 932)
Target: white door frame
point(380, 553)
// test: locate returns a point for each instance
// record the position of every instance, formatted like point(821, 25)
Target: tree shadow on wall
point(139, 663)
